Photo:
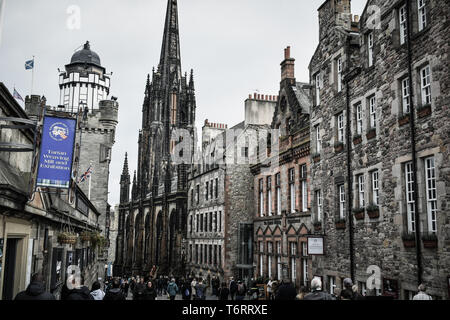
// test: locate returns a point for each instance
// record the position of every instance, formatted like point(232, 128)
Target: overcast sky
point(235, 47)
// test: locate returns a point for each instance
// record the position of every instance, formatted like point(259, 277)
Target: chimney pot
point(287, 52)
point(254, 96)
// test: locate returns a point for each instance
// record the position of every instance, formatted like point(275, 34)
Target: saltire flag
point(17, 95)
point(29, 64)
point(85, 175)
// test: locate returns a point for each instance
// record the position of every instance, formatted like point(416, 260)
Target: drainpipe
point(350, 184)
point(413, 146)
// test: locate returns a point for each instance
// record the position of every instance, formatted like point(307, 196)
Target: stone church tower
point(154, 226)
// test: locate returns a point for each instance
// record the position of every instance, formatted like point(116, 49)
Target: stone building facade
point(152, 222)
point(282, 210)
point(380, 146)
point(220, 220)
point(31, 221)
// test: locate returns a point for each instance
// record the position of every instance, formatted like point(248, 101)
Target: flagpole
point(89, 194)
point(32, 77)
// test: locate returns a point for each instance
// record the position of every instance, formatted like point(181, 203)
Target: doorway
point(10, 266)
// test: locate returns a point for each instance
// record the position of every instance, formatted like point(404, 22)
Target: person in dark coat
point(114, 294)
point(35, 290)
point(150, 291)
point(350, 293)
point(233, 288)
point(317, 293)
point(186, 290)
point(286, 291)
point(80, 291)
point(139, 289)
point(224, 292)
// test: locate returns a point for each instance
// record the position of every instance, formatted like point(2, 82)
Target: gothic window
point(304, 185)
point(269, 195)
point(292, 189)
point(278, 193)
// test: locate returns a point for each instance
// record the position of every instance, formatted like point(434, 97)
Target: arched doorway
point(147, 239)
point(158, 238)
point(173, 227)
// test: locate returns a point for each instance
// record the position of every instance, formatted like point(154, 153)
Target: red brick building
point(282, 216)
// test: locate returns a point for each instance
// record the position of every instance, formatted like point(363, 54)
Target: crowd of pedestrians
point(192, 288)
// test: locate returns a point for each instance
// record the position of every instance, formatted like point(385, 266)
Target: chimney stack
point(288, 66)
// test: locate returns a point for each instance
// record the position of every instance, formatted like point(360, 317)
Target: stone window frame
point(358, 120)
point(278, 192)
point(373, 118)
point(291, 191)
point(317, 76)
point(431, 201)
point(375, 190)
point(340, 131)
point(261, 197)
point(293, 254)
point(303, 174)
point(317, 137)
point(408, 183)
point(341, 200)
point(402, 24)
point(370, 36)
point(269, 195)
point(318, 201)
point(360, 202)
point(339, 67)
point(425, 90)
point(422, 13)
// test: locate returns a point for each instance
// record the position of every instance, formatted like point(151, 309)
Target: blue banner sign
point(55, 161)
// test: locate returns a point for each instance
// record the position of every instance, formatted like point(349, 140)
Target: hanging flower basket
point(85, 236)
point(317, 226)
point(371, 134)
point(97, 240)
point(67, 238)
point(338, 147)
point(316, 157)
point(429, 241)
point(424, 111)
point(403, 120)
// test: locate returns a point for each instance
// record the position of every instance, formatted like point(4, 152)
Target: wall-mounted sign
point(315, 246)
point(55, 161)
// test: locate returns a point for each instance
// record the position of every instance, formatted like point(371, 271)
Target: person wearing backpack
point(200, 290)
point(241, 290)
point(186, 289)
point(172, 289)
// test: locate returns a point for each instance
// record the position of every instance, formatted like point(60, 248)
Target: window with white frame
point(318, 139)
point(279, 275)
point(278, 193)
point(373, 112)
point(293, 250)
point(406, 102)
point(317, 85)
point(331, 284)
point(340, 127)
point(425, 83)
point(422, 14)
point(370, 48)
point(361, 187)
point(375, 188)
point(339, 74)
point(269, 195)
point(305, 271)
point(410, 208)
point(403, 24)
point(362, 288)
point(318, 197)
point(261, 198)
point(304, 177)
point(341, 189)
point(359, 118)
point(292, 189)
point(269, 259)
point(430, 176)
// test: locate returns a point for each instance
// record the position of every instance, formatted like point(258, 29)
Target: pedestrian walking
point(317, 293)
point(270, 288)
point(350, 292)
point(139, 289)
point(150, 291)
point(186, 290)
point(422, 295)
point(172, 289)
point(200, 290)
point(224, 292)
point(193, 291)
point(80, 291)
point(240, 293)
point(286, 291)
point(115, 293)
point(35, 290)
point(233, 288)
point(96, 291)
